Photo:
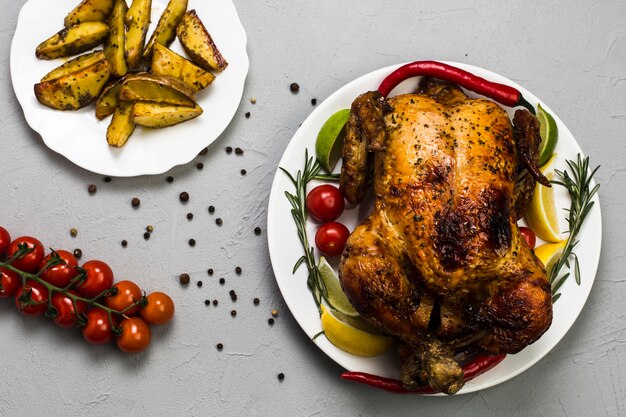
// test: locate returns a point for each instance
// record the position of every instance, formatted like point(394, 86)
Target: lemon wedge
point(549, 254)
point(336, 297)
point(330, 138)
point(352, 340)
point(549, 133)
point(541, 215)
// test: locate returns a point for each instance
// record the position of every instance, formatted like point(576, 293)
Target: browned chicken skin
point(440, 262)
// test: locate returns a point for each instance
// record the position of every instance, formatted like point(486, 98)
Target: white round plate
point(81, 138)
point(285, 247)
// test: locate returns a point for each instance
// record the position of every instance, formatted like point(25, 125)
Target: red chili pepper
point(501, 93)
point(471, 370)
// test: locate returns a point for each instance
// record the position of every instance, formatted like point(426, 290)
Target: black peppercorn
point(238, 270)
point(146, 235)
point(229, 149)
point(199, 165)
point(243, 172)
point(218, 221)
point(214, 303)
point(92, 188)
point(135, 202)
point(281, 376)
point(233, 295)
point(257, 230)
point(256, 301)
point(199, 284)
point(184, 278)
point(238, 151)
point(184, 196)
point(78, 253)
point(207, 302)
point(247, 115)
point(220, 346)
point(313, 101)
point(192, 242)
point(211, 209)
point(270, 321)
point(210, 271)
point(294, 87)
point(222, 281)
point(170, 179)
point(124, 243)
point(107, 179)
point(189, 216)
point(233, 313)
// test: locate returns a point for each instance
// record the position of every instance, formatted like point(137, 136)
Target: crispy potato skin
point(77, 64)
point(165, 31)
point(121, 126)
point(198, 44)
point(114, 46)
point(76, 90)
point(137, 21)
point(156, 88)
point(73, 40)
point(167, 62)
point(89, 11)
point(108, 99)
point(159, 115)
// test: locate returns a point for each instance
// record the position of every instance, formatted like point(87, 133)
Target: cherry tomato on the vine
point(38, 294)
point(60, 275)
point(5, 240)
point(67, 315)
point(9, 283)
point(159, 310)
point(331, 238)
point(529, 236)
point(31, 261)
point(127, 293)
point(99, 277)
point(325, 203)
point(98, 330)
point(135, 337)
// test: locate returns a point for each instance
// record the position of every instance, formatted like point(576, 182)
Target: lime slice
point(549, 135)
point(352, 340)
point(541, 214)
point(330, 138)
point(336, 297)
point(550, 253)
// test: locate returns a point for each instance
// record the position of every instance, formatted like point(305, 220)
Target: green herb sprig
point(578, 186)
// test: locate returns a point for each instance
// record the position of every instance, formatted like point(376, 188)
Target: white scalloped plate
point(285, 248)
point(81, 138)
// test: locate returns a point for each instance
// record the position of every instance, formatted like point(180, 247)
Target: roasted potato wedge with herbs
point(137, 21)
point(73, 40)
point(75, 65)
point(159, 115)
point(198, 44)
point(167, 62)
point(76, 90)
point(114, 45)
point(108, 99)
point(89, 11)
point(165, 31)
point(156, 88)
point(121, 126)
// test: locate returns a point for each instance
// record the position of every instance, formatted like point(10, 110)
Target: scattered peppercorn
point(233, 313)
point(238, 151)
point(294, 87)
point(270, 321)
point(274, 313)
point(281, 376)
point(184, 196)
point(214, 303)
point(218, 221)
point(211, 209)
point(220, 346)
point(192, 242)
point(124, 243)
point(92, 188)
point(210, 271)
point(253, 100)
point(199, 284)
point(184, 278)
point(189, 216)
point(135, 202)
point(256, 301)
point(199, 165)
point(229, 149)
point(107, 179)
point(146, 235)
point(207, 302)
point(149, 228)
point(313, 101)
point(78, 253)
point(204, 151)
point(222, 281)
point(233, 295)
point(238, 270)
point(247, 115)
point(257, 230)
point(73, 232)
point(243, 172)
point(170, 179)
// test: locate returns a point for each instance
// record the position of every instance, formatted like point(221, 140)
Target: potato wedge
point(165, 31)
point(114, 45)
point(75, 65)
point(76, 90)
point(167, 62)
point(198, 44)
point(157, 88)
point(159, 115)
point(89, 11)
point(73, 40)
point(137, 21)
point(108, 99)
point(121, 126)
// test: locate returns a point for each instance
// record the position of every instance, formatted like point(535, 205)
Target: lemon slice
point(541, 214)
point(351, 339)
point(549, 135)
point(549, 254)
point(330, 138)
point(336, 297)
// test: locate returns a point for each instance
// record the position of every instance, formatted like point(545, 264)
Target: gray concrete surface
point(572, 55)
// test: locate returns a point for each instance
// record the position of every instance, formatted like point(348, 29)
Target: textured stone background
point(572, 56)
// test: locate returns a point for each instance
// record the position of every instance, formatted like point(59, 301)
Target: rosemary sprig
point(579, 188)
point(299, 213)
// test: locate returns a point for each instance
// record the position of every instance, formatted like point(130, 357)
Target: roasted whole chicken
point(440, 262)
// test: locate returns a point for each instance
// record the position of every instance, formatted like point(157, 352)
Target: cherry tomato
point(135, 337)
point(29, 262)
point(325, 203)
point(127, 293)
point(159, 310)
point(331, 238)
point(38, 293)
point(5, 240)
point(98, 330)
point(66, 313)
point(9, 283)
point(99, 277)
point(529, 236)
point(60, 275)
